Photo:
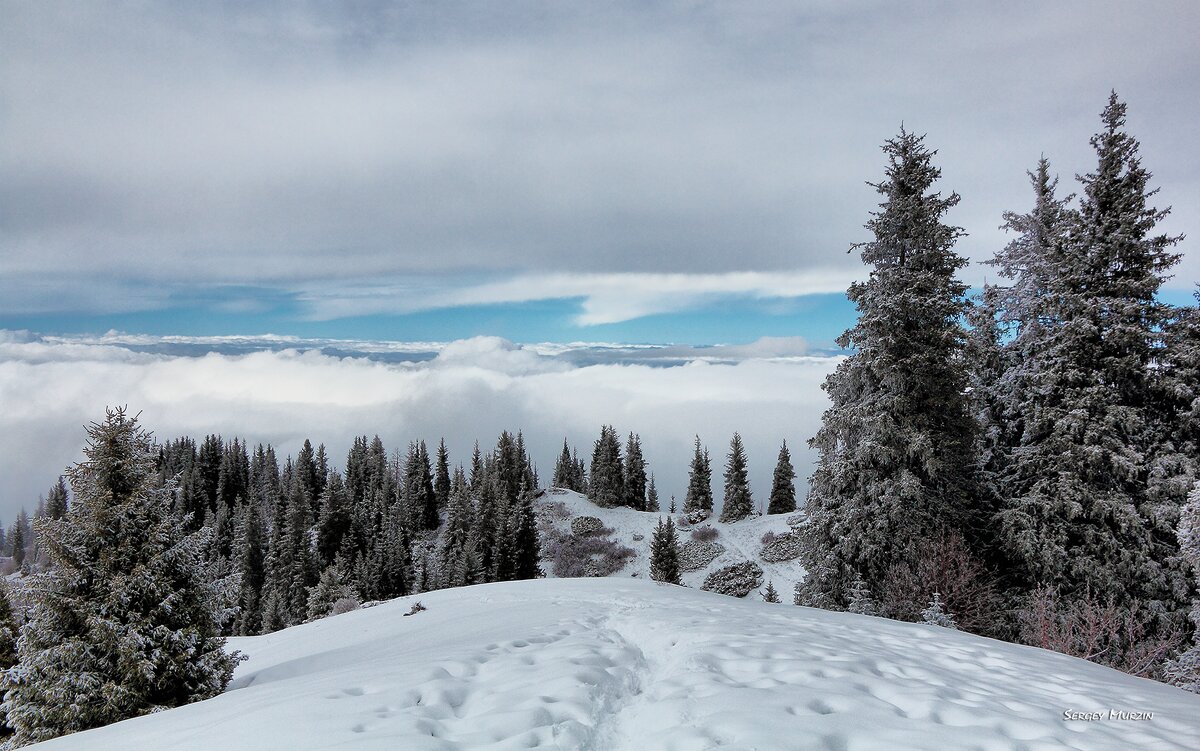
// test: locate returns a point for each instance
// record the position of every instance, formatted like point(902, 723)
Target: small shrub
point(697, 554)
point(737, 580)
point(344, 605)
point(590, 556)
point(555, 510)
point(696, 516)
point(705, 534)
point(586, 525)
point(781, 548)
point(769, 537)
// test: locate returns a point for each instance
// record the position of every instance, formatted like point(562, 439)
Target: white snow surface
point(623, 663)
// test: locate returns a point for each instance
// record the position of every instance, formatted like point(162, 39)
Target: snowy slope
point(742, 540)
point(631, 664)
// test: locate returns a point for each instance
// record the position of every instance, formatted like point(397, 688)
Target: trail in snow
point(615, 665)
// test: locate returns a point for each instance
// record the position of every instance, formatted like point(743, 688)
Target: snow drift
point(628, 664)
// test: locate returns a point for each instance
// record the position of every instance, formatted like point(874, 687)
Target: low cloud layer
point(769, 391)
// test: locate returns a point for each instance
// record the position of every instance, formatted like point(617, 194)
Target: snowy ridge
point(619, 664)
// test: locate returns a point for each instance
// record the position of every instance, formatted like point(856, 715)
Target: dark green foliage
point(664, 553)
point(651, 496)
point(783, 484)
point(738, 502)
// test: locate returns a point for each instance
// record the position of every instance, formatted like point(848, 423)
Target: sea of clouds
point(281, 390)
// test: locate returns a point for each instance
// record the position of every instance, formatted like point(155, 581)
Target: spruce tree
point(457, 538)
point(635, 474)
point(252, 566)
point(1184, 669)
point(664, 553)
point(8, 648)
point(606, 487)
point(1078, 513)
point(738, 503)
point(699, 499)
point(651, 495)
point(17, 538)
point(770, 595)
point(896, 446)
point(125, 621)
point(441, 480)
point(330, 588)
point(564, 469)
point(783, 484)
point(56, 499)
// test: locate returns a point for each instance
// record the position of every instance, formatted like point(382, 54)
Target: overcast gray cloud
point(296, 144)
point(471, 389)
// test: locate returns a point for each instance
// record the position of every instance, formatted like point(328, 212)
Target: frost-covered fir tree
point(896, 447)
point(783, 484)
point(332, 589)
point(861, 601)
point(664, 553)
point(635, 474)
point(1077, 510)
point(18, 538)
point(125, 621)
point(458, 538)
point(738, 503)
point(606, 486)
point(251, 566)
point(651, 495)
point(564, 469)
point(770, 595)
point(56, 499)
point(441, 479)
point(698, 502)
point(8, 647)
point(936, 615)
point(1184, 669)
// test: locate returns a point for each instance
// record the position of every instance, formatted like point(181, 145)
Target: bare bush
point(1119, 637)
point(705, 534)
point(591, 555)
point(344, 605)
point(947, 567)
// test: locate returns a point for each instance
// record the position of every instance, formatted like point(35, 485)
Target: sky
point(543, 172)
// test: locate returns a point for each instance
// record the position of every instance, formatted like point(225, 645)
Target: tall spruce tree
point(699, 499)
point(1077, 513)
point(635, 474)
point(783, 484)
point(664, 553)
point(896, 447)
point(441, 480)
point(651, 495)
point(606, 487)
point(738, 502)
point(125, 621)
point(56, 500)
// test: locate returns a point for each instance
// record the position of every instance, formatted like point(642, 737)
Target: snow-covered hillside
point(742, 541)
point(627, 664)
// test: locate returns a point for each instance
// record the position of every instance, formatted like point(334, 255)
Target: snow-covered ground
point(624, 663)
